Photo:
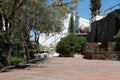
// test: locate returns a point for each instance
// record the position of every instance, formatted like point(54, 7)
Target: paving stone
point(67, 69)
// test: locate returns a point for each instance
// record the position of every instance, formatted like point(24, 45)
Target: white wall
point(53, 38)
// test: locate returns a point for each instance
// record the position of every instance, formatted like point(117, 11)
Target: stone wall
point(102, 38)
point(98, 46)
point(103, 55)
point(98, 51)
point(105, 30)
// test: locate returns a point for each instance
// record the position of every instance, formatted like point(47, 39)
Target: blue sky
point(84, 11)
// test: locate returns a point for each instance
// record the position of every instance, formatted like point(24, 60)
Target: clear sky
point(84, 11)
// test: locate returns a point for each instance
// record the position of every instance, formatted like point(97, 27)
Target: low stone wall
point(111, 46)
point(98, 46)
point(103, 55)
point(99, 51)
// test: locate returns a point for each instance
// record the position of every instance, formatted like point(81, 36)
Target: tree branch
point(15, 7)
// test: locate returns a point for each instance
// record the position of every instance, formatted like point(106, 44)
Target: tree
point(19, 17)
point(8, 11)
point(95, 6)
point(66, 6)
point(70, 45)
point(38, 17)
point(71, 24)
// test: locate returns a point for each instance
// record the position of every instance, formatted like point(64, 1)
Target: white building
point(53, 38)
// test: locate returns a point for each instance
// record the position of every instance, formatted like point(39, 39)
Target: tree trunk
point(38, 38)
point(25, 44)
point(1, 25)
point(27, 53)
point(6, 24)
point(8, 49)
point(8, 57)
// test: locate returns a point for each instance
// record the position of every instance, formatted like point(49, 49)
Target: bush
point(118, 41)
point(69, 45)
point(1, 65)
point(79, 43)
point(15, 60)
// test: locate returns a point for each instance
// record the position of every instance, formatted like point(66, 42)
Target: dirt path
point(67, 69)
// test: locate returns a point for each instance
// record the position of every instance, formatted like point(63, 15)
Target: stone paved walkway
point(67, 69)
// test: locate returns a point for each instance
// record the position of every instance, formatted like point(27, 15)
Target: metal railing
point(105, 12)
point(112, 8)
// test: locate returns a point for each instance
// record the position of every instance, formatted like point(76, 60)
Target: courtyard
point(75, 68)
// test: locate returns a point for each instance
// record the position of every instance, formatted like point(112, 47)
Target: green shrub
point(79, 43)
point(15, 60)
point(1, 65)
point(69, 45)
point(118, 41)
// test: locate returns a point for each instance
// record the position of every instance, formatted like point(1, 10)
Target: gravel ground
point(75, 68)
